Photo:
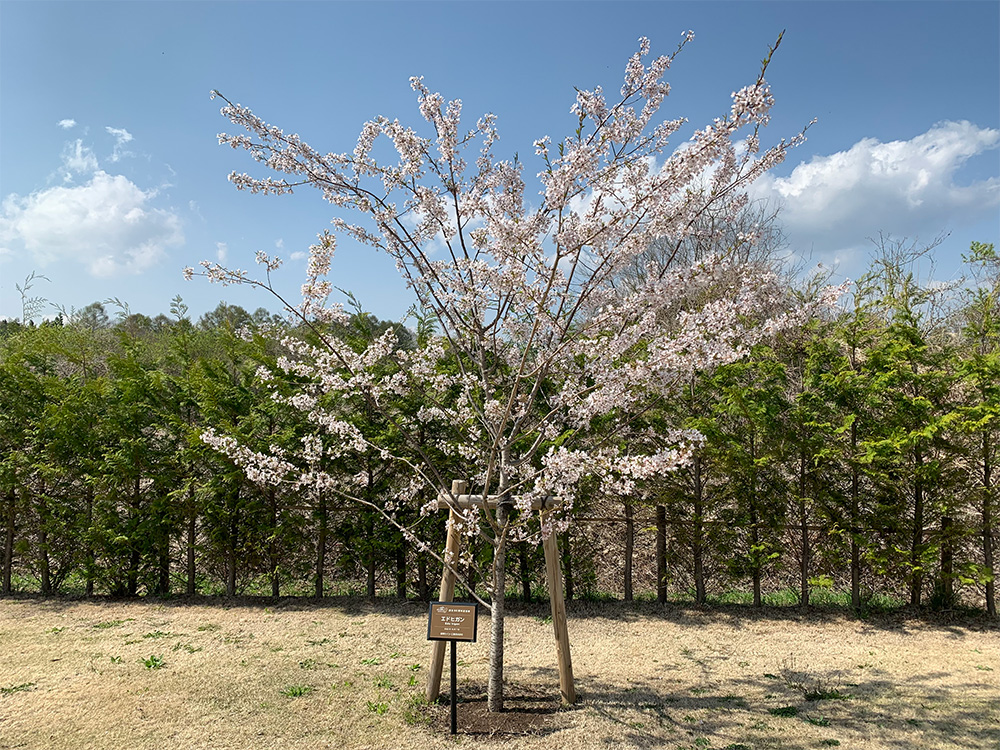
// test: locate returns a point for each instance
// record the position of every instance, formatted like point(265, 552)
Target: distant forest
point(852, 460)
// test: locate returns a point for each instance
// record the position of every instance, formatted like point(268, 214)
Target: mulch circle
point(527, 711)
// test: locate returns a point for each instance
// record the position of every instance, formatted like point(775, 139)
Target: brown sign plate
point(452, 621)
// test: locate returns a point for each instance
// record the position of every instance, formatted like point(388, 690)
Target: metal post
point(454, 691)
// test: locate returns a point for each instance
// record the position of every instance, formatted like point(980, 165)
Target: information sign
point(452, 621)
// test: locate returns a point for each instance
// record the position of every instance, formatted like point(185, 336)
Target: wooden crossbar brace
point(553, 581)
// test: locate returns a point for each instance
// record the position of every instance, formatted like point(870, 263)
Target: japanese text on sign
point(452, 621)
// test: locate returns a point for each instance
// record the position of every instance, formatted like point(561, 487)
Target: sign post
point(453, 621)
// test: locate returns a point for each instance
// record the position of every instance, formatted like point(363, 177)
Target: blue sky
point(112, 180)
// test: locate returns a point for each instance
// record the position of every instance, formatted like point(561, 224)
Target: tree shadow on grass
point(737, 615)
point(732, 615)
point(790, 710)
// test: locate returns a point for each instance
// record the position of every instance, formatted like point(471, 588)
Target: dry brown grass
point(72, 675)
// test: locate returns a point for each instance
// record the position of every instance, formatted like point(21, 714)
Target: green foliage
point(865, 443)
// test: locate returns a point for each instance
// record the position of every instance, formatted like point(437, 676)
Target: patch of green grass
point(187, 647)
point(383, 682)
point(415, 713)
point(210, 627)
point(307, 664)
point(154, 662)
point(781, 598)
point(116, 660)
point(731, 597)
point(23, 687)
point(830, 743)
point(296, 691)
point(320, 642)
point(55, 631)
point(786, 711)
point(984, 668)
point(826, 694)
point(158, 634)
point(113, 623)
point(822, 721)
point(373, 661)
point(378, 707)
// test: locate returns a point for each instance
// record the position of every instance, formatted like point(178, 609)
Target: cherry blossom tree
point(540, 358)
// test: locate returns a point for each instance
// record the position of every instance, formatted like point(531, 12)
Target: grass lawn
point(349, 674)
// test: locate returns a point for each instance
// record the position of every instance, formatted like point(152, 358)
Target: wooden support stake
point(553, 578)
point(447, 594)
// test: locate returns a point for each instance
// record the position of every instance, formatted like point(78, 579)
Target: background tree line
point(856, 454)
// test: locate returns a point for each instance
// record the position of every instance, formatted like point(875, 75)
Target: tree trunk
point(401, 568)
point(494, 690)
point(471, 578)
point(917, 542)
point(422, 586)
point(163, 572)
point(321, 546)
point(525, 570)
point(755, 566)
point(43, 544)
point(272, 545)
point(756, 569)
point(991, 599)
point(192, 533)
point(88, 546)
point(134, 557)
point(629, 547)
point(947, 563)
point(855, 523)
point(661, 554)
point(698, 535)
point(806, 550)
point(231, 571)
point(370, 557)
point(231, 551)
point(370, 578)
point(8, 543)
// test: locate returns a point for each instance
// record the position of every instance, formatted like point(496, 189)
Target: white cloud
point(221, 251)
point(121, 136)
point(78, 159)
point(298, 255)
point(67, 124)
point(108, 225)
point(832, 204)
